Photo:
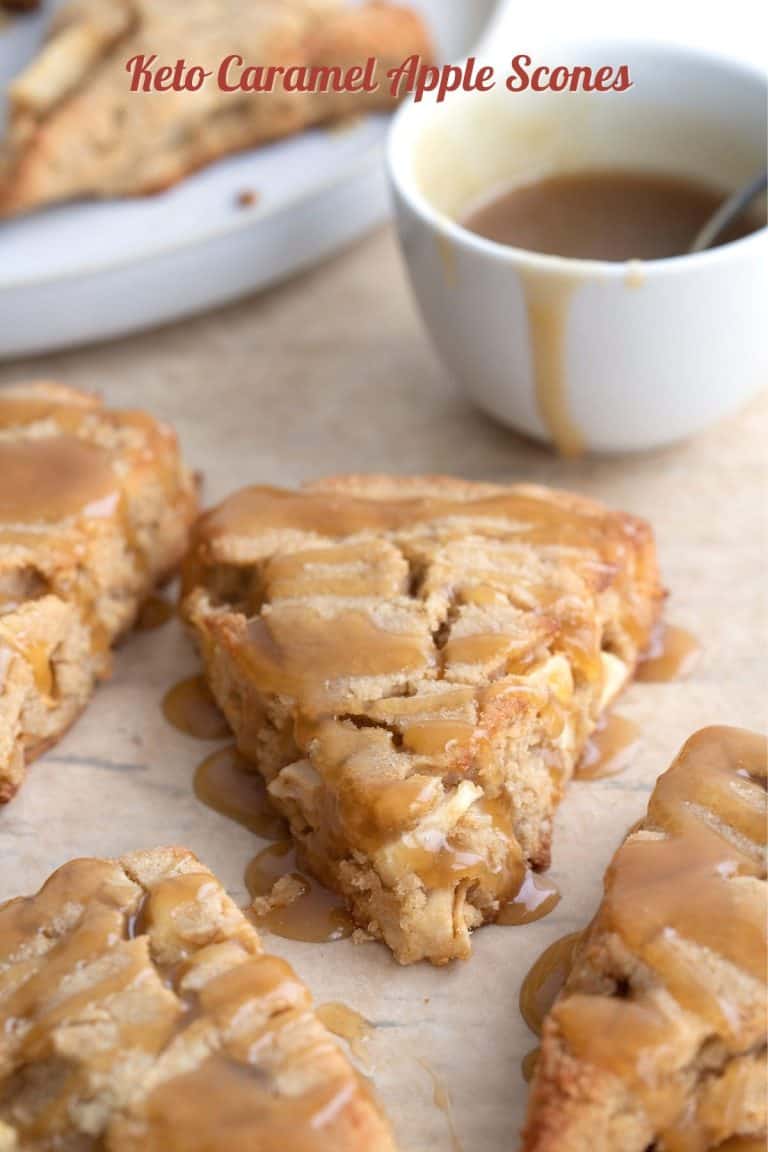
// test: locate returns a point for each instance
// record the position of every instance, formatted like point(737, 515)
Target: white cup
point(589, 354)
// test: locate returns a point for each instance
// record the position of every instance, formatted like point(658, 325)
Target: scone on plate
point(138, 1013)
point(414, 666)
point(658, 1039)
point(95, 509)
point(77, 131)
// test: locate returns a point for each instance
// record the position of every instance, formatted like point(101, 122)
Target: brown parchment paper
point(330, 373)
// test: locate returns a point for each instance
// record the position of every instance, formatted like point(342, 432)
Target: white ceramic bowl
point(589, 354)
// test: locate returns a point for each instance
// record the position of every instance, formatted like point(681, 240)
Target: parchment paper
point(334, 373)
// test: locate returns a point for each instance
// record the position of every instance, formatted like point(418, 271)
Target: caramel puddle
point(154, 613)
point(190, 707)
point(528, 1064)
point(441, 1098)
point(671, 656)
point(226, 782)
point(348, 1024)
point(545, 979)
point(610, 749)
point(536, 898)
point(310, 912)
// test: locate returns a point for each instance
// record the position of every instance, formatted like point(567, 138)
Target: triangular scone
point(415, 665)
point(138, 1013)
point(658, 1040)
point(95, 509)
point(77, 131)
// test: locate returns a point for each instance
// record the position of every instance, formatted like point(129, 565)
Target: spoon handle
point(729, 211)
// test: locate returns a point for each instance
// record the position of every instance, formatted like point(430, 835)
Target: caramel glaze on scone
point(76, 129)
point(95, 509)
point(658, 1040)
point(138, 1013)
point(415, 665)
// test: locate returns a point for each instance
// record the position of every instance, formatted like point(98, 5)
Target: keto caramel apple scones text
point(658, 1039)
point(95, 509)
point(414, 666)
point(138, 1013)
point(77, 131)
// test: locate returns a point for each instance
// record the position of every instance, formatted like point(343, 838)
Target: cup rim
point(405, 185)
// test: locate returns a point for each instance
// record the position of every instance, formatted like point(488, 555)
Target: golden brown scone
point(76, 130)
point(95, 509)
point(658, 1039)
point(414, 666)
point(138, 1013)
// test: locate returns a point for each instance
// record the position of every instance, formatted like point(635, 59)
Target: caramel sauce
point(529, 1063)
point(300, 653)
point(671, 655)
point(610, 749)
point(536, 898)
point(441, 1098)
point(522, 512)
point(227, 1102)
point(541, 986)
point(231, 785)
point(681, 888)
point(314, 915)
point(348, 1024)
point(38, 656)
point(606, 214)
point(154, 613)
point(49, 479)
point(190, 707)
point(548, 297)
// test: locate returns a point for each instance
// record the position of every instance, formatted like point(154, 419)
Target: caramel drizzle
point(52, 478)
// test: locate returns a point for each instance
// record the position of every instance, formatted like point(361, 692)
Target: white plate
point(92, 271)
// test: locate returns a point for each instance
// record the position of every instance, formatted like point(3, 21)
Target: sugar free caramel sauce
point(314, 915)
point(49, 479)
point(672, 654)
point(528, 1064)
point(610, 749)
point(611, 214)
point(154, 613)
point(537, 897)
point(348, 1024)
point(190, 707)
point(441, 1098)
point(226, 782)
point(545, 979)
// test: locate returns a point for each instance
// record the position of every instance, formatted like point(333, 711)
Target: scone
point(95, 509)
point(414, 666)
point(138, 1013)
point(76, 130)
point(658, 1039)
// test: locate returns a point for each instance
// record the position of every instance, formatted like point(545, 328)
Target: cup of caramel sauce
point(547, 235)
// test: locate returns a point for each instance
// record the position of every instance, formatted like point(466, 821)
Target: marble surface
point(333, 373)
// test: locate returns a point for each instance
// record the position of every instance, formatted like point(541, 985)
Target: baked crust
point(76, 130)
point(414, 666)
point(658, 1039)
point(95, 510)
point(138, 1013)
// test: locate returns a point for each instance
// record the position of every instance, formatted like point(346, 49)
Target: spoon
point(729, 211)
